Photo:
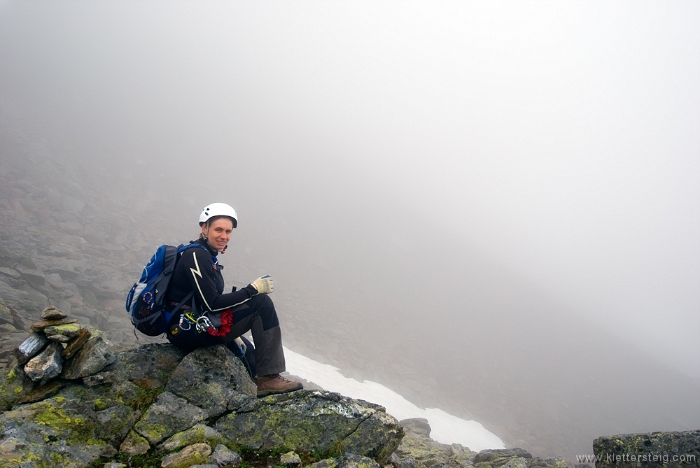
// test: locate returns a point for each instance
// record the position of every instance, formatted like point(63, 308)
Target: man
point(214, 317)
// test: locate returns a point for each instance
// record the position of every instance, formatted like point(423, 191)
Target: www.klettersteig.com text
point(637, 458)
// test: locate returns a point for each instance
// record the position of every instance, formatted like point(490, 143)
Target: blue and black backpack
point(145, 302)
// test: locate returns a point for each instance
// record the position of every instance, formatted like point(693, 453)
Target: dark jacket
point(198, 270)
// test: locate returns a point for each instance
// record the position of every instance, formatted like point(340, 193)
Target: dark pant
point(257, 315)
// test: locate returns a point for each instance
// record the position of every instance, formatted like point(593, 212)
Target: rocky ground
point(69, 399)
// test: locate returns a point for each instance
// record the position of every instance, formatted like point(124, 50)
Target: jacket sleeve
point(201, 275)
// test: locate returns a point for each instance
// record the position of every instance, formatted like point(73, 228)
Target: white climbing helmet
point(218, 209)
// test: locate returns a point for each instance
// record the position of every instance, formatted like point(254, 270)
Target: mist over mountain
point(491, 209)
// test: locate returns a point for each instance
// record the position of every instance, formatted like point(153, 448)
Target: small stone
point(100, 379)
point(75, 345)
point(71, 330)
point(59, 338)
point(290, 459)
point(47, 365)
point(134, 444)
point(148, 383)
point(90, 359)
point(223, 456)
point(196, 434)
point(52, 313)
point(109, 452)
point(39, 326)
point(40, 393)
point(190, 455)
point(30, 347)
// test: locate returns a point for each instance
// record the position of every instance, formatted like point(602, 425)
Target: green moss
point(19, 389)
point(56, 417)
point(152, 432)
point(12, 375)
point(100, 404)
point(74, 429)
point(25, 458)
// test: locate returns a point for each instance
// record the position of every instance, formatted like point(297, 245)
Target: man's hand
point(263, 284)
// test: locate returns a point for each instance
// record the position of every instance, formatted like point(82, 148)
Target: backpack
point(145, 301)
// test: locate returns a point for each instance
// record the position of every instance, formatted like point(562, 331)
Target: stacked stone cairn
point(60, 348)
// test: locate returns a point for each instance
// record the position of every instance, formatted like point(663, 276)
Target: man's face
point(218, 233)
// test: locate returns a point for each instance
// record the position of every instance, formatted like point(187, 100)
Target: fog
point(494, 205)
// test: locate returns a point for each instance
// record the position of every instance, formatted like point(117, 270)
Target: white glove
point(263, 285)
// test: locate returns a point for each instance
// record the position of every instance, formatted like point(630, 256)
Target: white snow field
point(446, 428)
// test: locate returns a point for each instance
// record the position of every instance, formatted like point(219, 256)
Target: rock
point(209, 378)
point(223, 456)
point(100, 379)
point(553, 462)
point(108, 451)
point(39, 326)
point(115, 423)
point(346, 461)
point(5, 314)
point(190, 455)
point(69, 330)
point(74, 346)
point(134, 444)
point(306, 421)
point(10, 272)
point(26, 302)
point(651, 450)
point(242, 403)
point(33, 345)
point(14, 383)
point(40, 393)
point(50, 430)
point(52, 313)
point(59, 338)
point(290, 459)
point(417, 450)
point(418, 426)
point(94, 356)
point(498, 457)
point(46, 365)
point(195, 434)
point(149, 366)
point(55, 281)
point(32, 276)
point(170, 414)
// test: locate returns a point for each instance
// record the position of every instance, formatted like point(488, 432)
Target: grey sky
point(560, 140)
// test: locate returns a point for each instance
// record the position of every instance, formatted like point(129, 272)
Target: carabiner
point(204, 324)
point(184, 320)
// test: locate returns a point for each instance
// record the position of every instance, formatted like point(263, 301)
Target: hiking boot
point(275, 383)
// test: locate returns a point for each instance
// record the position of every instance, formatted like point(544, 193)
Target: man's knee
point(262, 300)
point(267, 312)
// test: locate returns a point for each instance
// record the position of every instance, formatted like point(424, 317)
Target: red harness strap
point(226, 323)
